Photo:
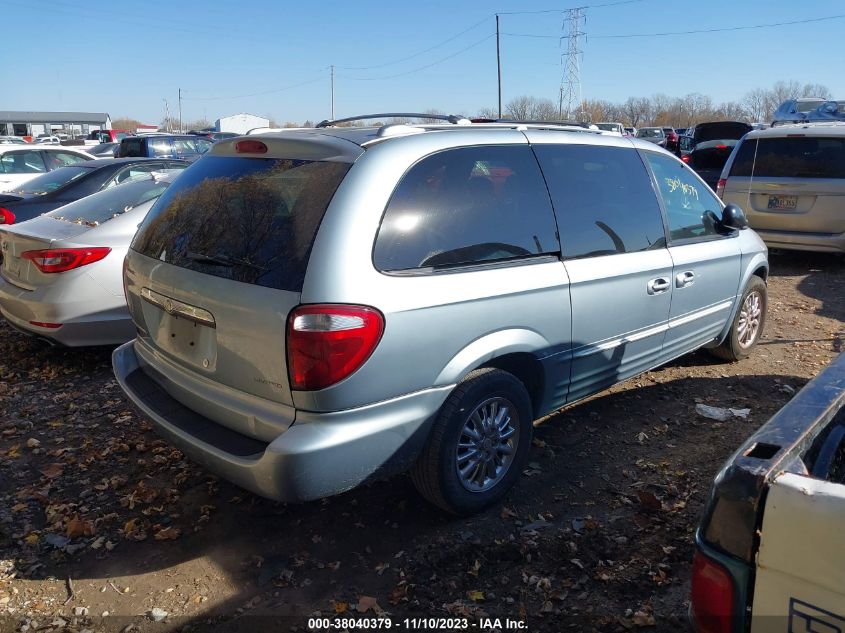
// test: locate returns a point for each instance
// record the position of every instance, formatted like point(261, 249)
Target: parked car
point(108, 136)
point(681, 131)
point(770, 550)
point(48, 139)
point(611, 127)
point(672, 140)
point(220, 136)
point(103, 150)
point(708, 145)
point(182, 146)
point(791, 180)
point(317, 308)
point(61, 274)
point(630, 131)
point(61, 186)
point(654, 135)
point(12, 140)
point(20, 163)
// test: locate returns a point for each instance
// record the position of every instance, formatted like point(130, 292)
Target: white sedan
point(19, 163)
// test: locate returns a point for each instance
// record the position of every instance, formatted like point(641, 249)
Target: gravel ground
point(107, 528)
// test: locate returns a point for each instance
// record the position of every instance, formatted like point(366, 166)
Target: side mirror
point(734, 217)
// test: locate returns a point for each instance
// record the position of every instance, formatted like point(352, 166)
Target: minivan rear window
point(252, 220)
point(791, 157)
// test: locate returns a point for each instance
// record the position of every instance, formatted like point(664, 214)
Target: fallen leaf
point(642, 619)
point(649, 500)
point(51, 471)
point(475, 595)
point(341, 607)
point(168, 534)
point(367, 603)
point(76, 527)
point(508, 513)
point(31, 540)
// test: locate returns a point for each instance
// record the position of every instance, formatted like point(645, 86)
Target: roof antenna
point(753, 167)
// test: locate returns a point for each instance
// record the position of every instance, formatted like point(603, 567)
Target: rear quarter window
point(791, 157)
point(467, 206)
point(251, 220)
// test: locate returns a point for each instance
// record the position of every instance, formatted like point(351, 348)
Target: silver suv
point(319, 308)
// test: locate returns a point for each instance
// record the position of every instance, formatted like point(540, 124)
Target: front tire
point(478, 445)
point(747, 326)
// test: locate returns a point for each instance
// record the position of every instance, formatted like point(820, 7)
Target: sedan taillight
point(61, 260)
point(6, 216)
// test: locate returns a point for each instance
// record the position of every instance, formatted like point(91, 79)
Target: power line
point(723, 29)
point(414, 70)
point(417, 54)
point(257, 94)
point(565, 9)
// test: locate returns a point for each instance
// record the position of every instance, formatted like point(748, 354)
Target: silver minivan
point(319, 308)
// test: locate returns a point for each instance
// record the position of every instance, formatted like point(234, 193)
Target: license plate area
point(187, 340)
point(783, 203)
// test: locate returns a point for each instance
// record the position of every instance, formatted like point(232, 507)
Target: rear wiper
point(221, 260)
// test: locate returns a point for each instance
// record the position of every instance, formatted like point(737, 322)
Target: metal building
point(32, 124)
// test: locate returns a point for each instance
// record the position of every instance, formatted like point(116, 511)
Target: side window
point(23, 162)
point(466, 206)
point(691, 209)
point(160, 147)
point(134, 171)
point(132, 147)
point(63, 159)
point(603, 199)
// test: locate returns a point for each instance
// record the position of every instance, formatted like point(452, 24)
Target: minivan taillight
point(712, 596)
point(59, 260)
point(6, 216)
point(328, 342)
point(720, 187)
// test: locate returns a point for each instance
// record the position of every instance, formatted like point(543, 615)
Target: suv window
point(23, 162)
point(466, 206)
point(251, 220)
point(692, 210)
point(793, 157)
point(159, 146)
point(603, 199)
point(132, 147)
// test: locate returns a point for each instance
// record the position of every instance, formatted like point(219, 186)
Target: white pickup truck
point(770, 550)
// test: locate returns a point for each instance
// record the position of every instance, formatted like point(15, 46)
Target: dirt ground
point(104, 527)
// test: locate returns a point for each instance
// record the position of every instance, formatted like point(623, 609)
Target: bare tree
point(816, 90)
point(756, 104)
point(527, 108)
point(637, 110)
point(487, 113)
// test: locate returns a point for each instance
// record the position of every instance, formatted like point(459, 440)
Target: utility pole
point(570, 83)
point(167, 116)
point(180, 111)
point(499, 64)
point(332, 67)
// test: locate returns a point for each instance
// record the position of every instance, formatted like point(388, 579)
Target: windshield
point(105, 205)
point(609, 127)
point(719, 131)
point(56, 179)
point(650, 132)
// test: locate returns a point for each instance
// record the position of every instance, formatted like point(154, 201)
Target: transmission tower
point(570, 83)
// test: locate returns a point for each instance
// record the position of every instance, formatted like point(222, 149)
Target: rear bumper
point(319, 455)
point(794, 240)
point(93, 321)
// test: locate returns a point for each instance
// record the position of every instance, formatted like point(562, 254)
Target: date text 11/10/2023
point(486, 625)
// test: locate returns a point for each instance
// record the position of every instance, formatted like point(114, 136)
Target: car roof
point(44, 148)
point(106, 162)
point(802, 129)
point(348, 143)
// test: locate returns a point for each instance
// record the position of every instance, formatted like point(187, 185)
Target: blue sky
point(126, 57)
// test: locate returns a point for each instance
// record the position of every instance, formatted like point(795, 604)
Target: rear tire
point(747, 326)
point(478, 445)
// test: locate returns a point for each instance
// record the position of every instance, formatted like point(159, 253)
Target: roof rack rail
point(451, 118)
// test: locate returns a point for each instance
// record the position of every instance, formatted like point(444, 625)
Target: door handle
point(657, 286)
point(684, 279)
